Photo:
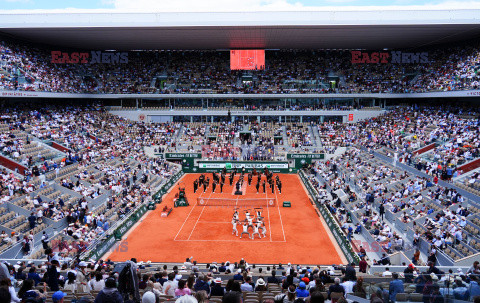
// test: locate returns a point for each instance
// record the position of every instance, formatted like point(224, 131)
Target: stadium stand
point(402, 185)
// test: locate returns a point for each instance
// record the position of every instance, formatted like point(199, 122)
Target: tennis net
point(240, 202)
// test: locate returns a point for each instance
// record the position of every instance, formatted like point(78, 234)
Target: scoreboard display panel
point(247, 59)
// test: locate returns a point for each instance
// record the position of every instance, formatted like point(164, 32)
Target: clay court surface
point(295, 234)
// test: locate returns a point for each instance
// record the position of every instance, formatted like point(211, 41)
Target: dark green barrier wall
point(166, 187)
point(342, 240)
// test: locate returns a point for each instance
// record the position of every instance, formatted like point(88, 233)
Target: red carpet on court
point(295, 234)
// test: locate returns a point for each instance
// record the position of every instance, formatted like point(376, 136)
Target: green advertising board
point(187, 159)
point(102, 248)
point(302, 159)
point(117, 235)
point(216, 166)
point(342, 240)
point(166, 187)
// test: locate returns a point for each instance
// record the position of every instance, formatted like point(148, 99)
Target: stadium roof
point(376, 29)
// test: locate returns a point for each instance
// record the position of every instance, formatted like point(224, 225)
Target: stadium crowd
point(104, 159)
point(224, 282)
point(29, 67)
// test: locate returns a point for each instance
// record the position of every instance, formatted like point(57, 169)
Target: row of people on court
point(256, 224)
point(220, 181)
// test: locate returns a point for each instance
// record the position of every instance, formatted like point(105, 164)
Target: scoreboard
point(247, 59)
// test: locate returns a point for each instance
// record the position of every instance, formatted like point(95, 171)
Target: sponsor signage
point(164, 189)
point(183, 155)
point(237, 165)
point(306, 156)
point(103, 247)
point(303, 159)
point(350, 117)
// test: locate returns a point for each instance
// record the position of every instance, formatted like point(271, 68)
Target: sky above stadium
point(230, 5)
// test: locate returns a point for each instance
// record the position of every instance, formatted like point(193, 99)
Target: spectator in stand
point(232, 297)
point(58, 296)
point(7, 284)
point(171, 285)
point(301, 290)
point(288, 297)
point(216, 288)
point(98, 283)
point(260, 285)
point(336, 287)
point(396, 286)
point(350, 273)
point(182, 289)
point(110, 293)
point(247, 286)
point(363, 265)
point(28, 291)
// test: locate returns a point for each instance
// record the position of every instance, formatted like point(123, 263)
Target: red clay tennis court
point(204, 231)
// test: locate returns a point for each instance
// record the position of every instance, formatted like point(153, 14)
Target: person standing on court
point(263, 185)
point(195, 186)
point(250, 179)
point(214, 185)
point(257, 186)
point(205, 184)
point(279, 185)
point(221, 186)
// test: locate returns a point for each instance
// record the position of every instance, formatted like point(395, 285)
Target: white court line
point(226, 241)
point(268, 212)
point(199, 218)
point(187, 218)
point(281, 222)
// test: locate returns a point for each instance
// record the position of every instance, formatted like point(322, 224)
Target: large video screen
point(247, 59)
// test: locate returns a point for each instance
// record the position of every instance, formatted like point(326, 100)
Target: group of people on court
point(219, 179)
point(256, 224)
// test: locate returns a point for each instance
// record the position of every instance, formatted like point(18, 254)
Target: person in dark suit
point(257, 186)
point(335, 288)
point(350, 272)
point(221, 187)
point(214, 185)
point(195, 186)
point(263, 185)
point(272, 278)
point(381, 210)
point(279, 185)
